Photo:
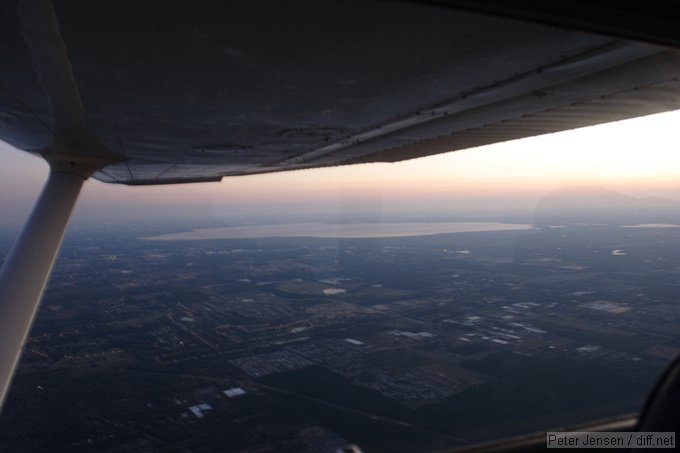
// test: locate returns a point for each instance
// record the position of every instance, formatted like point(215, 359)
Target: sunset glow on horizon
point(639, 157)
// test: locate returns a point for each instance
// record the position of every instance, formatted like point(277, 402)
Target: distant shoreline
point(338, 230)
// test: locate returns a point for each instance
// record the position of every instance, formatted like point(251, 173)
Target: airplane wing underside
point(177, 91)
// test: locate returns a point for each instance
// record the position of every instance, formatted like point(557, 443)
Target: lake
point(337, 230)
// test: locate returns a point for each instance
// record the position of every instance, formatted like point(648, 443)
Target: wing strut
point(24, 274)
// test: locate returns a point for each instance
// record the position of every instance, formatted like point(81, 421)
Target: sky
point(639, 157)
